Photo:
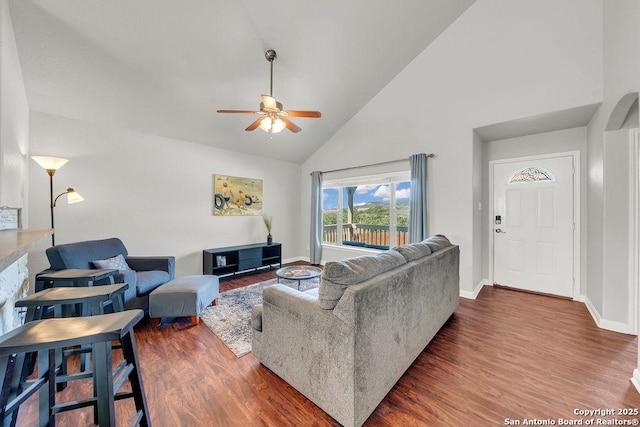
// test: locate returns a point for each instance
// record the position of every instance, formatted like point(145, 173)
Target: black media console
point(236, 259)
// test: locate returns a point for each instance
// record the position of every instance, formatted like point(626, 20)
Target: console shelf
point(239, 259)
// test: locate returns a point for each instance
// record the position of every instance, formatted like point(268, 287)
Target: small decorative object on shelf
point(10, 218)
point(268, 220)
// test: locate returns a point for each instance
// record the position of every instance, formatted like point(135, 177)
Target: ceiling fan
point(275, 118)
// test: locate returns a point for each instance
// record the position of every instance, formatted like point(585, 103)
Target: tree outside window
point(370, 215)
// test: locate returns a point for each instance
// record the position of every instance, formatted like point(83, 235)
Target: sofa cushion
point(336, 276)
point(149, 280)
point(116, 263)
point(437, 242)
point(414, 251)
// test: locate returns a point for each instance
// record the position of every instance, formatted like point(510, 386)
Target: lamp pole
point(53, 230)
point(51, 165)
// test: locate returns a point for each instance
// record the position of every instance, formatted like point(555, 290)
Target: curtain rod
point(431, 155)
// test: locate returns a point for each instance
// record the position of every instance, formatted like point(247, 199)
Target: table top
point(16, 243)
point(240, 247)
point(298, 272)
point(71, 295)
point(66, 331)
point(78, 274)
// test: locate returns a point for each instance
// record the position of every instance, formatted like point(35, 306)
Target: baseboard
point(474, 294)
point(295, 259)
point(609, 325)
point(580, 298)
point(635, 379)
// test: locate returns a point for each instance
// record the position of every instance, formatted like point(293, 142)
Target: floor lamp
point(51, 165)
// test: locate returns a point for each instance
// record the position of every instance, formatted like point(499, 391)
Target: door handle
point(500, 231)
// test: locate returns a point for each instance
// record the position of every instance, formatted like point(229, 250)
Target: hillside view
point(371, 213)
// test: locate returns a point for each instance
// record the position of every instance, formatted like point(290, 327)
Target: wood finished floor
point(505, 355)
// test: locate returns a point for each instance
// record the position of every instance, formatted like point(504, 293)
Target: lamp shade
point(73, 196)
point(50, 163)
point(278, 125)
point(269, 124)
point(265, 124)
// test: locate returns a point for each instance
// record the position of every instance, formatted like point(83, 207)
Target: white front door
point(533, 225)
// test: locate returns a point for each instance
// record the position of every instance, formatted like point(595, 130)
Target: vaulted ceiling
point(164, 67)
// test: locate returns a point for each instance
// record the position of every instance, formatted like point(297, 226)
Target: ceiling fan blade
point(254, 125)
point(290, 125)
point(301, 113)
point(240, 111)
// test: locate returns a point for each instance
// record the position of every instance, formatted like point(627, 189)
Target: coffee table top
point(298, 272)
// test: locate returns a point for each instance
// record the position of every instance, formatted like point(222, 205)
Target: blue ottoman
point(185, 296)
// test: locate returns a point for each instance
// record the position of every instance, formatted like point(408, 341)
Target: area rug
point(230, 320)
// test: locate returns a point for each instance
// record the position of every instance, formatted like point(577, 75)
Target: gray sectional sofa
point(345, 344)
point(143, 274)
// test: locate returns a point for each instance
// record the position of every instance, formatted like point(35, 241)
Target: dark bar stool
point(78, 277)
point(92, 300)
point(74, 277)
point(45, 336)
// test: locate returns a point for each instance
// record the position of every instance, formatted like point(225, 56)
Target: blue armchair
point(146, 272)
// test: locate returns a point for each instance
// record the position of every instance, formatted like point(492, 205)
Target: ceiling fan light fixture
point(265, 124)
point(278, 125)
point(268, 124)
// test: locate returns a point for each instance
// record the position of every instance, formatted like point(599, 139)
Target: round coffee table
point(298, 273)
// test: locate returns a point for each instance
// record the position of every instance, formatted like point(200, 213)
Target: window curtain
point(316, 218)
point(418, 199)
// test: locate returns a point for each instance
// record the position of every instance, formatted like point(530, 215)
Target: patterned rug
point(230, 319)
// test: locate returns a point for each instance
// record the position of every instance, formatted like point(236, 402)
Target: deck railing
point(366, 235)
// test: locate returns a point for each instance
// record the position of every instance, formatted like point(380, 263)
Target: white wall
point(543, 143)
point(501, 60)
point(14, 119)
point(616, 229)
point(154, 193)
point(621, 75)
point(479, 206)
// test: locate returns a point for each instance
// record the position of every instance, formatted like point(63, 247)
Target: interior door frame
point(634, 228)
point(577, 283)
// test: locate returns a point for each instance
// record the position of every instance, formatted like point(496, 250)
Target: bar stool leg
point(131, 356)
point(47, 393)
point(103, 382)
point(8, 366)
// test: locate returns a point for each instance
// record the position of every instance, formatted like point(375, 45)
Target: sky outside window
point(367, 194)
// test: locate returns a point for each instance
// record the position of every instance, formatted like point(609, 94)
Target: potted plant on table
point(268, 221)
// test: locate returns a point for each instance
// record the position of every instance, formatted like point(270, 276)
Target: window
point(531, 175)
point(369, 212)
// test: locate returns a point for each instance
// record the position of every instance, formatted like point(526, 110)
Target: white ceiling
point(164, 67)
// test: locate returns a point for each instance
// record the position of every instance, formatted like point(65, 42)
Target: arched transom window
point(531, 174)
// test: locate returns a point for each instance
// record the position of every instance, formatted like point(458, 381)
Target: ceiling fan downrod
point(271, 55)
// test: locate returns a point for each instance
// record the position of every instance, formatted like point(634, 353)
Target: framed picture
point(10, 218)
point(234, 195)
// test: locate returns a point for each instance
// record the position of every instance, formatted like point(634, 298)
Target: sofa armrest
point(281, 295)
point(308, 347)
point(148, 263)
